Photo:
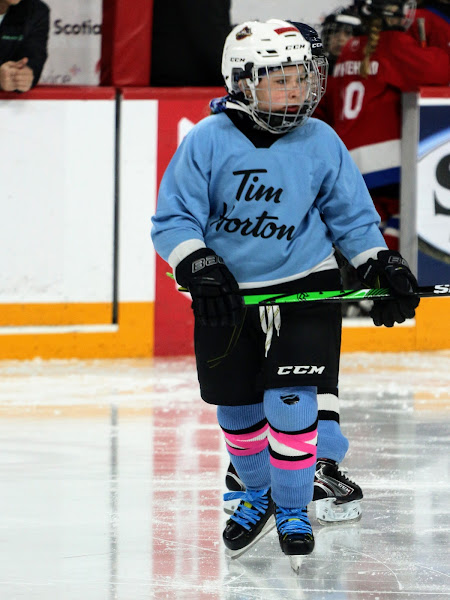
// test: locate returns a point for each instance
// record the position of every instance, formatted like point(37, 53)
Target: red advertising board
point(178, 110)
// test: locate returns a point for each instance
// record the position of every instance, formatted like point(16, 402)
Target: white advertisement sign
point(57, 201)
point(305, 11)
point(74, 47)
point(433, 194)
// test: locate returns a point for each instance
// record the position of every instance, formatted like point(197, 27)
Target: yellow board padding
point(80, 411)
point(20, 315)
point(134, 338)
point(431, 332)
point(135, 335)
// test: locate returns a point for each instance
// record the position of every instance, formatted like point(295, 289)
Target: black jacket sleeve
point(35, 43)
point(24, 33)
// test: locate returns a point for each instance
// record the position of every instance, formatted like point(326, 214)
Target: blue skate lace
point(292, 520)
point(253, 506)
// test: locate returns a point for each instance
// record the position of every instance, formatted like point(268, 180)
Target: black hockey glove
point(390, 270)
point(215, 293)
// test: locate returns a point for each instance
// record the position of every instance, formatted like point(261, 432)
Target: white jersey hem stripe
point(377, 157)
point(324, 265)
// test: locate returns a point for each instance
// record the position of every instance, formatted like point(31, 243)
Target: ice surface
point(112, 473)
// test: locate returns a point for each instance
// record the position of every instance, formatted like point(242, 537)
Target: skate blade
point(296, 561)
point(327, 511)
point(270, 524)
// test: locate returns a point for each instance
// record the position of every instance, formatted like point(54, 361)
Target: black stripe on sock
point(328, 415)
point(324, 390)
point(288, 458)
point(250, 429)
point(313, 427)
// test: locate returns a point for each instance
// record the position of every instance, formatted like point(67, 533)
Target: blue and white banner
point(433, 191)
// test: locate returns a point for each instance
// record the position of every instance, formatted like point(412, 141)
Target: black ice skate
point(294, 533)
point(234, 484)
point(337, 498)
point(252, 519)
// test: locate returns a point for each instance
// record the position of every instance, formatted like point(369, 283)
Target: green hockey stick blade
point(433, 291)
point(436, 291)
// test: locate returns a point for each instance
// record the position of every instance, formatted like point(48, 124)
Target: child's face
point(338, 39)
point(284, 90)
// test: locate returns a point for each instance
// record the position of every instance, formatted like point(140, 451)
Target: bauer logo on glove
point(206, 262)
point(216, 300)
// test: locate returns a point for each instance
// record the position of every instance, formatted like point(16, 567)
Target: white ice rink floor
point(111, 482)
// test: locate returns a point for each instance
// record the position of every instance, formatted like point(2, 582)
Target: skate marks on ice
point(341, 567)
point(394, 379)
point(112, 478)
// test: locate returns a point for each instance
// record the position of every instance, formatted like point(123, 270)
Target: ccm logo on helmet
point(301, 370)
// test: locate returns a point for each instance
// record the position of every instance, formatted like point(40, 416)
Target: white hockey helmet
point(255, 49)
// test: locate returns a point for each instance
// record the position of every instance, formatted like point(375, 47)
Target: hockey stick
point(430, 291)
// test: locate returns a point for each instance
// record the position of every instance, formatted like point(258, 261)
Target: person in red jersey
point(363, 99)
point(432, 24)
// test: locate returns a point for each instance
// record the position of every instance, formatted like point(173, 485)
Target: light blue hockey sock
point(292, 416)
point(331, 443)
point(245, 429)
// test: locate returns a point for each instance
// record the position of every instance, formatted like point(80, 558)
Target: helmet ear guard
point(238, 74)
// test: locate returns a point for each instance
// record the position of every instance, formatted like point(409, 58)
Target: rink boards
point(81, 168)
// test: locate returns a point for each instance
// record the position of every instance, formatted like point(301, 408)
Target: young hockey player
point(338, 27)
point(363, 99)
point(336, 497)
point(253, 200)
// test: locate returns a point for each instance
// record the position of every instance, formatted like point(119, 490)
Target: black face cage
point(305, 94)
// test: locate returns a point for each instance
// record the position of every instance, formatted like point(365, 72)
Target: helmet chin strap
point(239, 105)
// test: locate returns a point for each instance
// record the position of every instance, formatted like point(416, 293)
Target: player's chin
point(283, 110)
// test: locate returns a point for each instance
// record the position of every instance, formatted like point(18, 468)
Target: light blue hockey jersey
point(270, 213)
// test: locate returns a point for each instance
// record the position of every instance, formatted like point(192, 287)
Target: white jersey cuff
point(360, 259)
point(182, 250)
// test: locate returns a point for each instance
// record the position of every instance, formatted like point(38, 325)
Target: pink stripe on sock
point(301, 441)
point(286, 438)
point(246, 442)
point(252, 448)
point(293, 465)
point(235, 438)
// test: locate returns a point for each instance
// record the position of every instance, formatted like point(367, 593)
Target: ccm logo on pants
point(301, 370)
